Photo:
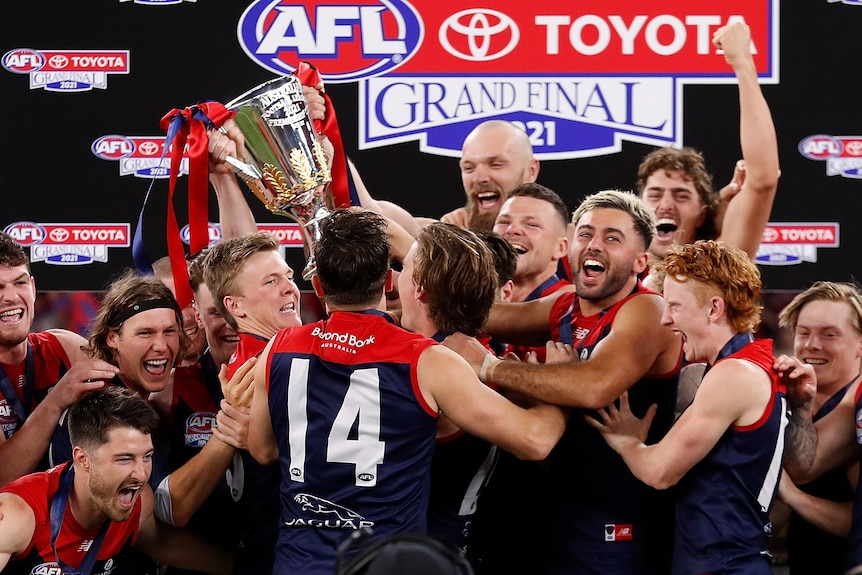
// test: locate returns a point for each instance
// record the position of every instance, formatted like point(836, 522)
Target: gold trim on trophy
point(322, 161)
point(300, 164)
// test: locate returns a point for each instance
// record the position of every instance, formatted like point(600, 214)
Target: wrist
point(489, 364)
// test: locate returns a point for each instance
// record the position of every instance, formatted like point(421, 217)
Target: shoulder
point(17, 523)
point(642, 311)
point(737, 380)
point(70, 341)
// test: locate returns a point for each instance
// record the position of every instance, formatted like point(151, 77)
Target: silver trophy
point(281, 158)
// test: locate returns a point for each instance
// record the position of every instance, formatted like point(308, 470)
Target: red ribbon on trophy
point(189, 126)
point(343, 188)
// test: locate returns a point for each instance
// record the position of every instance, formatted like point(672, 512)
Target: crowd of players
point(599, 403)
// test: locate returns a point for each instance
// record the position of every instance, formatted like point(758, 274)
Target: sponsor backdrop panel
point(597, 84)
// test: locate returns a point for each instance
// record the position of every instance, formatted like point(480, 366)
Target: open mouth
point(12, 315)
point(156, 367)
point(230, 339)
point(126, 495)
point(666, 226)
point(593, 268)
point(487, 200)
point(288, 308)
point(814, 361)
point(519, 249)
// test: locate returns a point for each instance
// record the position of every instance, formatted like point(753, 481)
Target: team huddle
point(542, 390)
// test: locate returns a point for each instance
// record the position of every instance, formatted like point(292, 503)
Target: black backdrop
point(189, 52)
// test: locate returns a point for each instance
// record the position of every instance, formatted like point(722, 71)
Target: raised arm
point(748, 212)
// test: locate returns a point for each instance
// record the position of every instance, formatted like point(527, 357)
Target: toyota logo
point(485, 31)
point(58, 61)
point(854, 148)
point(59, 235)
point(148, 148)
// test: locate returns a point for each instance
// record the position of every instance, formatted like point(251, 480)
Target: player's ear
point(315, 283)
point(81, 457)
point(716, 307)
point(232, 305)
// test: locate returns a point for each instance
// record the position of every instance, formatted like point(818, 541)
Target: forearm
point(830, 516)
point(235, 216)
point(22, 452)
point(801, 445)
point(572, 384)
point(756, 132)
point(191, 484)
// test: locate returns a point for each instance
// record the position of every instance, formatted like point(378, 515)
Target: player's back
point(355, 438)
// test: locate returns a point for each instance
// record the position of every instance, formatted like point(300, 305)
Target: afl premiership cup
point(281, 159)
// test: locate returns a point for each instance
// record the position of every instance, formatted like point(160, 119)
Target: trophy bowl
point(280, 157)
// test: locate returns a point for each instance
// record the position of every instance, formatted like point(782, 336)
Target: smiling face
point(688, 317)
point(534, 229)
point(606, 255)
point(117, 471)
point(495, 158)
point(269, 299)
point(17, 301)
point(826, 338)
point(220, 336)
point(677, 207)
point(145, 349)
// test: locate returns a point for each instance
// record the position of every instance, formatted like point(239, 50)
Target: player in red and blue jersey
point(349, 405)
point(726, 450)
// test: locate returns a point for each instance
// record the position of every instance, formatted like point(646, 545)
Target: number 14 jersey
point(354, 435)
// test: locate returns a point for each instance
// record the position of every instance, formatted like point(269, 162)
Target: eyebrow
point(606, 230)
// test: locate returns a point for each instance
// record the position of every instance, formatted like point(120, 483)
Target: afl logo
point(201, 422)
point(23, 61)
point(112, 147)
point(820, 147)
point(479, 34)
point(357, 40)
point(213, 231)
point(26, 233)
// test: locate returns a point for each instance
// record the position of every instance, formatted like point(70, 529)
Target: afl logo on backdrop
point(345, 40)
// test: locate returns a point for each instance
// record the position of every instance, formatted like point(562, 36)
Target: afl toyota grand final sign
point(579, 77)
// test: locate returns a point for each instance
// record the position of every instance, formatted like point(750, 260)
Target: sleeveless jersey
point(184, 431)
point(810, 550)
point(460, 468)
point(547, 287)
point(37, 490)
point(723, 502)
point(50, 363)
point(242, 512)
point(604, 520)
point(355, 436)
point(854, 543)
point(249, 346)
